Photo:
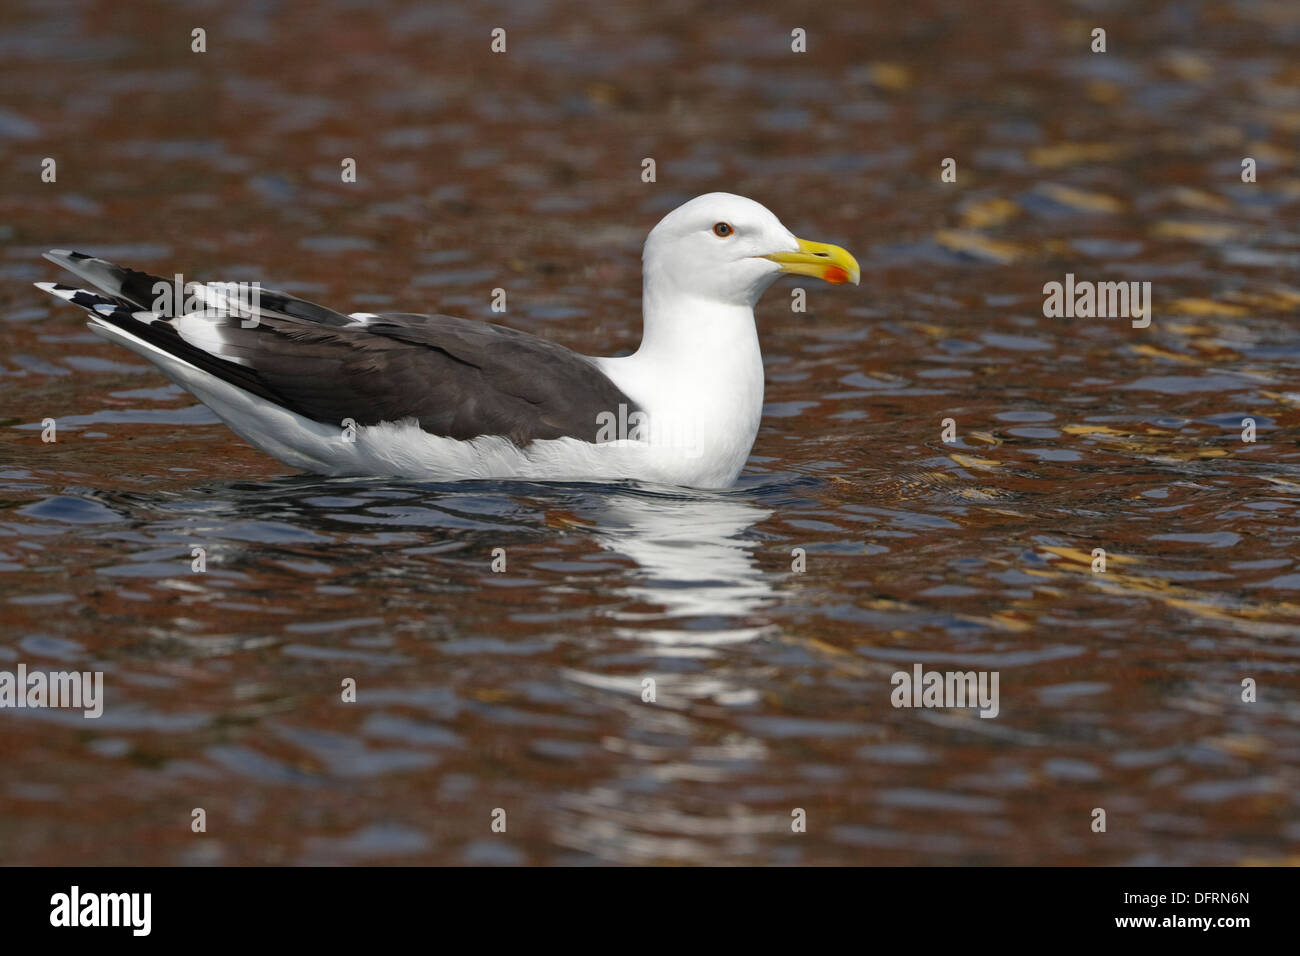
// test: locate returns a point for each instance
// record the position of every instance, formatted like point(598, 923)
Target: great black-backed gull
point(440, 398)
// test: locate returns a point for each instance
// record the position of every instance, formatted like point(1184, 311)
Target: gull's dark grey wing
point(457, 378)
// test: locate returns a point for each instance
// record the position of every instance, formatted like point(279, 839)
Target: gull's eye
point(722, 229)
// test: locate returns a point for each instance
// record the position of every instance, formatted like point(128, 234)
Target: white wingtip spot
point(53, 289)
point(209, 334)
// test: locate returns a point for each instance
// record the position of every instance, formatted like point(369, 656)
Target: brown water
point(522, 690)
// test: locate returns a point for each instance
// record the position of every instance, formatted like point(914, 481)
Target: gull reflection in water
point(703, 593)
point(697, 580)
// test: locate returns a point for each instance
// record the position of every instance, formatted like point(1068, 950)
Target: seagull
point(433, 397)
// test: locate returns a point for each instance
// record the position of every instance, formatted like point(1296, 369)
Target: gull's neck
point(699, 366)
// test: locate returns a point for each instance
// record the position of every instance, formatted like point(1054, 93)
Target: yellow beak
point(819, 260)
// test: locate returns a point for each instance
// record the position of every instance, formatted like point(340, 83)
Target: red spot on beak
point(835, 275)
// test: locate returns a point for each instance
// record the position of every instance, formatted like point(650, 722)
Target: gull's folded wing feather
point(140, 289)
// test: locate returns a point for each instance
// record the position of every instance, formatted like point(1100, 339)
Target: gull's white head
point(729, 249)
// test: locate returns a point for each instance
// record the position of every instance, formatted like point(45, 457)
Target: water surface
point(521, 689)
